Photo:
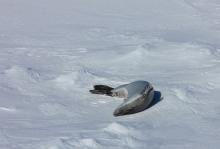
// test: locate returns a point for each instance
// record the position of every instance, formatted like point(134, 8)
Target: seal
point(137, 96)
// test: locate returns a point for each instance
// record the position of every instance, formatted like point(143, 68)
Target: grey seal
point(137, 96)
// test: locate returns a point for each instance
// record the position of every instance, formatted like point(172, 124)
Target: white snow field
point(52, 52)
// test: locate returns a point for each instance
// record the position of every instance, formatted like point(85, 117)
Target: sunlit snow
point(52, 52)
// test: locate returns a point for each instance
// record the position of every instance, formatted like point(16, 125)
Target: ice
point(53, 52)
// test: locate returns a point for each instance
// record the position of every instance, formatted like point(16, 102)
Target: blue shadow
point(157, 98)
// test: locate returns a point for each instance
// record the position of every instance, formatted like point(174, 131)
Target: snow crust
point(52, 52)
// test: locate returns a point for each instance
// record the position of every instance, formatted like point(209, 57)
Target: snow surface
point(52, 52)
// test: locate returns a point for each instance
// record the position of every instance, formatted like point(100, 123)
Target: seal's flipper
point(102, 89)
point(96, 92)
point(101, 92)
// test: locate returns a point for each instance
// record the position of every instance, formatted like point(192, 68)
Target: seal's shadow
point(157, 98)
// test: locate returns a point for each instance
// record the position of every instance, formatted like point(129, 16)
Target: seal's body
point(137, 96)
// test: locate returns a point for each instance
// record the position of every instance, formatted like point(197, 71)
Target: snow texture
point(52, 52)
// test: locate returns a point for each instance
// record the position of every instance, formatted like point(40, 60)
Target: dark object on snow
point(137, 96)
point(102, 89)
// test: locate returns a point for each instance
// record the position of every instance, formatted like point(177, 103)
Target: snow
point(52, 53)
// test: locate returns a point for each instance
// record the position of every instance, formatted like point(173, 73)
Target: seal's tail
point(102, 89)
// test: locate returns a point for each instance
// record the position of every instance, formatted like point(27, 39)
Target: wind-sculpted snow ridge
point(53, 52)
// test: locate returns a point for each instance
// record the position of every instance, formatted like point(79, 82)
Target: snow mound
point(52, 144)
point(116, 128)
point(77, 78)
point(22, 74)
point(22, 79)
point(85, 143)
point(154, 56)
point(66, 81)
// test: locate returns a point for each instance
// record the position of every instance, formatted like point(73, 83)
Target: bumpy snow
point(52, 52)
